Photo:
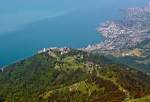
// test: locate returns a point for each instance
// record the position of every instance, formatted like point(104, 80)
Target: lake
point(27, 26)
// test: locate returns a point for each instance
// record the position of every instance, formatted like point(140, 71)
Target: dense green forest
point(75, 76)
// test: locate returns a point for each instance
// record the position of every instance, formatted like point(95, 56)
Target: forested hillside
point(75, 76)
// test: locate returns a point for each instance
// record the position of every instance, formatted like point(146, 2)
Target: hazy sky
point(14, 14)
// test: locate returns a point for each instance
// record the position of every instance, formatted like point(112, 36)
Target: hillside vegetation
point(75, 76)
point(145, 99)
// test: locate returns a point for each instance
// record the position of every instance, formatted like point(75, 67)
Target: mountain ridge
point(116, 70)
point(69, 74)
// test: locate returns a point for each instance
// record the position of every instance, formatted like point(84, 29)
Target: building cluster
point(51, 50)
point(127, 33)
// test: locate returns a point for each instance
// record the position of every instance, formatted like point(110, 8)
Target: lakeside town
point(119, 35)
point(122, 35)
point(127, 33)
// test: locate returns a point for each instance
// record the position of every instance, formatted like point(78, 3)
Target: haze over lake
point(29, 25)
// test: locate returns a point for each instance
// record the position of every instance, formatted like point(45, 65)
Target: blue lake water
point(26, 26)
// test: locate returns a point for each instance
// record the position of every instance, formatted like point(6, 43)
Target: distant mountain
point(69, 75)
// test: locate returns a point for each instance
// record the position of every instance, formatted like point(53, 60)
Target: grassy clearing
point(145, 99)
